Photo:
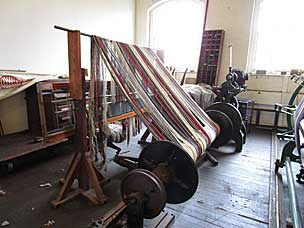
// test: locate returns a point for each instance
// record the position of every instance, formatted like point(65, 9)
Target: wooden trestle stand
point(81, 168)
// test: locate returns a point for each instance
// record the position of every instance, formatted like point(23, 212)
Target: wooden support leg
point(99, 197)
point(143, 139)
point(70, 177)
point(67, 182)
point(61, 181)
point(81, 167)
point(100, 177)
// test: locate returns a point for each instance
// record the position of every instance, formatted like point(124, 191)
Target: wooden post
point(81, 167)
point(75, 74)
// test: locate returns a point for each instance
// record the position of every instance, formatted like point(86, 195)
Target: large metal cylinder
point(173, 166)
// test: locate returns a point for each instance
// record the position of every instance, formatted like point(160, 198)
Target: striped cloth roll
point(164, 107)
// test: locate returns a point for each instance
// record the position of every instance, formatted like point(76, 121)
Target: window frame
point(161, 2)
point(253, 43)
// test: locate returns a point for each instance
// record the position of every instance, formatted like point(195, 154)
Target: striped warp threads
point(169, 113)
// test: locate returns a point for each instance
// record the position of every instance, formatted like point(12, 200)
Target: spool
point(145, 182)
point(167, 173)
point(226, 127)
point(173, 166)
point(231, 111)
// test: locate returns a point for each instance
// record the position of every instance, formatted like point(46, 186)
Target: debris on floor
point(2, 193)
point(5, 223)
point(46, 185)
point(49, 223)
point(289, 222)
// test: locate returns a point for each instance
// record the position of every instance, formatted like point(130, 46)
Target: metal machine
point(292, 150)
point(226, 93)
point(164, 173)
point(234, 84)
point(144, 197)
point(289, 134)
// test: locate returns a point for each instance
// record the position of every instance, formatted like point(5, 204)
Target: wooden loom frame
point(81, 167)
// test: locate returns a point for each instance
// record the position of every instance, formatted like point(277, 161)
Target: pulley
point(173, 166)
point(231, 111)
point(140, 181)
point(226, 127)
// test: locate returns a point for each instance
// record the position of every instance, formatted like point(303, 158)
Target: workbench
point(51, 120)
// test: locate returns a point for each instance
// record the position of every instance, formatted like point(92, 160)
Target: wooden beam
point(122, 116)
point(82, 167)
point(74, 52)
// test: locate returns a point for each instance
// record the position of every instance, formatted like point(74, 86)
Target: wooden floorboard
point(236, 192)
point(229, 204)
point(227, 174)
point(232, 195)
point(299, 188)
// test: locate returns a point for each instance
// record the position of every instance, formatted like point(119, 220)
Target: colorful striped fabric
point(167, 111)
point(9, 81)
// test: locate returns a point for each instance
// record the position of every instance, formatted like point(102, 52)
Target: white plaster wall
point(233, 16)
point(267, 90)
point(141, 8)
point(28, 40)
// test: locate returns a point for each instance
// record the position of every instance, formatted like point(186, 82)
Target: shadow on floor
point(233, 194)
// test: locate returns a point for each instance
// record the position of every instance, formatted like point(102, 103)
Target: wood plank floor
point(233, 194)
point(298, 187)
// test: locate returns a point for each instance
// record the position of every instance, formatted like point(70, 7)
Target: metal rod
point(294, 207)
point(70, 30)
point(64, 111)
point(62, 100)
point(291, 102)
point(230, 57)
point(10, 70)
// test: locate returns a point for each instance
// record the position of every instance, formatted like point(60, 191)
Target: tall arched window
point(277, 36)
point(176, 26)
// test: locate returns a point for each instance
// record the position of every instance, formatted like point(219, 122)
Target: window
point(277, 35)
point(176, 27)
